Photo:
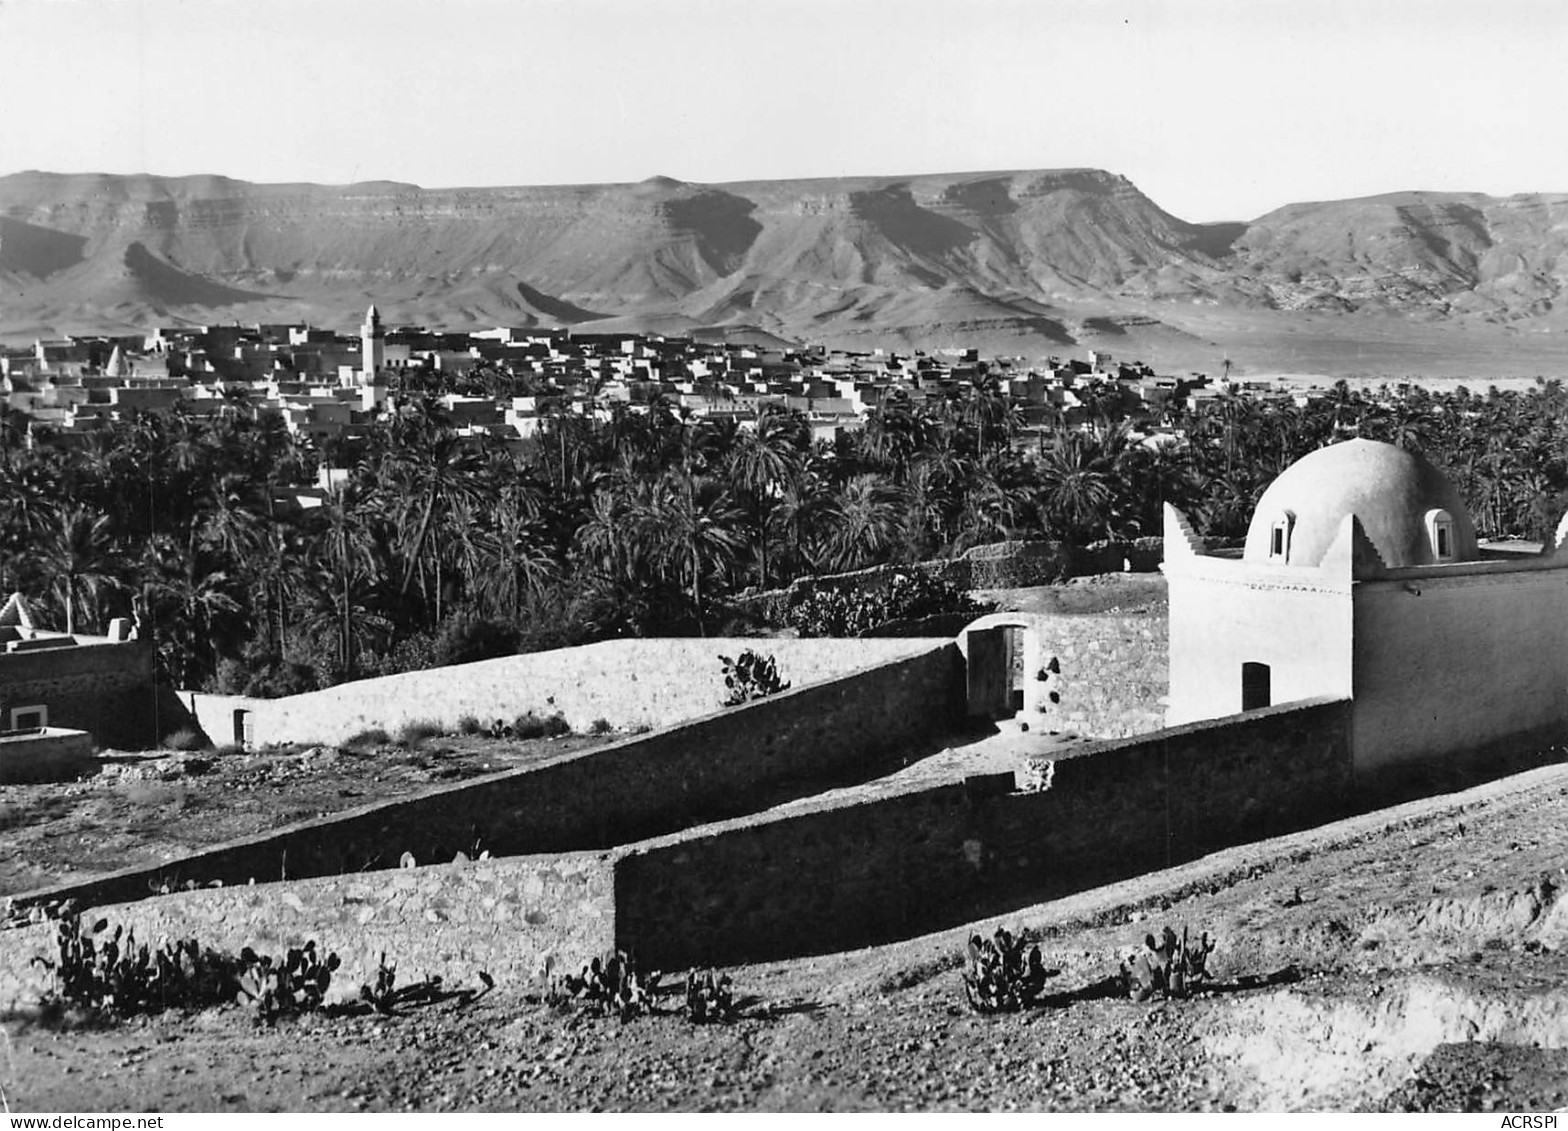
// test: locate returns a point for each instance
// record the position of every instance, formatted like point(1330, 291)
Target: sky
point(1216, 109)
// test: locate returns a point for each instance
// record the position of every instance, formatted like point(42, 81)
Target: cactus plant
point(110, 973)
point(999, 976)
point(708, 998)
point(384, 996)
point(612, 984)
point(751, 676)
point(1171, 967)
point(297, 984)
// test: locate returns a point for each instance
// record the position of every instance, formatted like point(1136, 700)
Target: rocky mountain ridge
point(1051, 257)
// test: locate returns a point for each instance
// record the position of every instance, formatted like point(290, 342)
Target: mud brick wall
point(104, 689)
point(501, 916)
point(1111, 673)
point(736, 761)
point(855, 872)
point(48, 754)
point(627, 683)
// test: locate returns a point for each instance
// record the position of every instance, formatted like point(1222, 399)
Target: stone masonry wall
point(1110, 673)
point(104, 689)
point(501, 916)
point(995, 565)
point(853, 871)
point(733, 762)
point(627, 683)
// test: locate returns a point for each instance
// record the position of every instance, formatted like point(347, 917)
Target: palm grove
point(440, 548)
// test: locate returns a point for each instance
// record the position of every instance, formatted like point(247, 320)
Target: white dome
point(1408, 508)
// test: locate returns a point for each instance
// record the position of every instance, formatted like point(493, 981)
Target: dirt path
point(1410, 958)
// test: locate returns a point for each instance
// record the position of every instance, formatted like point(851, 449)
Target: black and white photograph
point(783, 556)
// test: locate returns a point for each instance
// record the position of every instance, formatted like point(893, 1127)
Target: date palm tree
point(191, 605)
point(690, 533)
point(1076, 490)
point(761, 464)
point(76, 550)
point(862, 522)
point(431, 472)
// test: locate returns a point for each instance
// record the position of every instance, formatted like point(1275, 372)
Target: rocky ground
point(1411, 959)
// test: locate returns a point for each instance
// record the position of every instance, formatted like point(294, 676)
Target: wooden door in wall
point(990, 666)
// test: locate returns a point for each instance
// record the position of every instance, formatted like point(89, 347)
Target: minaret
point(117, 365)
point(372, 347)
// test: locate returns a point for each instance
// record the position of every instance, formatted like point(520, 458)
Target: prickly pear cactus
point(999, 976)
point(113, 975)
point(1170, 968)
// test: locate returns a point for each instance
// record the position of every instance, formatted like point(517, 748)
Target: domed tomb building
point(1361, 579)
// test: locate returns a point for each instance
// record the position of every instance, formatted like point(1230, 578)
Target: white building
point(1361, 578)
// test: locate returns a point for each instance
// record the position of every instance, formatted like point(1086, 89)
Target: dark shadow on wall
point(895, 868)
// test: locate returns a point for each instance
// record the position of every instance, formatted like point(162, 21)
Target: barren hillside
point(1037, 260)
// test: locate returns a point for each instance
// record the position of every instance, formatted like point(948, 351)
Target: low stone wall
point(1018, 565)
point(505, 917)
point(854, 872)
point(997, 565)
point(44, 754)
point(736, 761)
point(626, 683)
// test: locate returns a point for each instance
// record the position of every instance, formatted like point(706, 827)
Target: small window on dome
point(1440, 532)
point(1279, 537)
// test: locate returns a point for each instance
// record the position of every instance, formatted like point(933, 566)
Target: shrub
point(413, 653)
point(186, 739)
point(751, 676)
point(709, 997)
point(95, 970)
point(907, 594)
point(366, 739)
point(470, 725)
point(384, 996)
point(280, 679)
point(317, 652)
point(416, 730)
point(614, 985)
point(530, 725)
point(465, 638)
point(999, 976)
point(610, 985)
point(600, 725)
point(1172, 968)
